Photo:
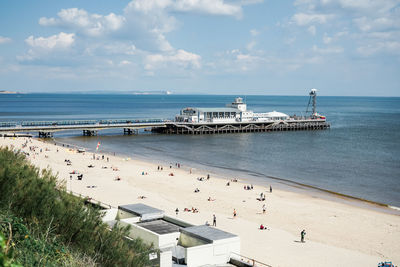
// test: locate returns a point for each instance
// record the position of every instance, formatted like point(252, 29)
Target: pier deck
point(170, 127)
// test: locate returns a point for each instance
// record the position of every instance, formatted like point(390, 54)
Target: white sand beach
point(337, 233)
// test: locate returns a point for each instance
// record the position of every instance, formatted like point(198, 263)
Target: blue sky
point(340, 47)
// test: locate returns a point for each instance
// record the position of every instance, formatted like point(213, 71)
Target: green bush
point(57, 223)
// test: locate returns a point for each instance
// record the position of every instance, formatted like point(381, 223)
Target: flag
point(98, 145)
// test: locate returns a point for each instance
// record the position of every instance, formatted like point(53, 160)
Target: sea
point(358, 156)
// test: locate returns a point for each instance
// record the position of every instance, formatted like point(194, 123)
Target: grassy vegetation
point(44, 225)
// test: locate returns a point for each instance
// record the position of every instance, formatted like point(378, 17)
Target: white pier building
point(234, 112)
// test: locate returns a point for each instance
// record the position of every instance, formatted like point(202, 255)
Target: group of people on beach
point(248, 187)
point(194, 210)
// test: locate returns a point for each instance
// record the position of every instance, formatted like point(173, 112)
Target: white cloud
point(312, 30)
point(59, 41)
point(212, 7)
point(372, 25)
point(326, 39)
point(254, 32)
point(48, 49)
point(290, 40)
point(83, 22)
point(180, 58)
point(381, 23)
point(4, 40)
point(372, 6)
point(247, 57)
point(149, 5)
point(143, 22)
point(391, 47)
point(124, 63)
point(303, 19)
point(136, 38)
point(340, 34)
point(251, 45)
point(246, 62)
point(236, 61)
point(328, 50)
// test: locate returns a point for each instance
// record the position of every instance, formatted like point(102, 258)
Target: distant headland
point(8, 92)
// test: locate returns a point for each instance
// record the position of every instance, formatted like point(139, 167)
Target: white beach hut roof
point(274, 114)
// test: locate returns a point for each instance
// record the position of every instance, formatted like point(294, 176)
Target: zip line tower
point(313, 99)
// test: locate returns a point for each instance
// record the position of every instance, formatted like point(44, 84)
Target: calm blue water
point(358, 156)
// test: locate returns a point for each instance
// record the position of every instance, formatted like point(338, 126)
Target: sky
point(281, 47)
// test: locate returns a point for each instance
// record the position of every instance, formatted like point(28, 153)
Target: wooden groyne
point(240, 127)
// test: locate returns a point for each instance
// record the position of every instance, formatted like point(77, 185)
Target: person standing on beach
point(234, 213)
point(270, 189)
point(303, 233)
point(214, 220)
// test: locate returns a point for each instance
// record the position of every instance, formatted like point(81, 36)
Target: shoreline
point(337, 233)
point(290, 185)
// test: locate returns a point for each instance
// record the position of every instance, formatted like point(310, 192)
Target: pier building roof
point(276, 114)
point(222, 109)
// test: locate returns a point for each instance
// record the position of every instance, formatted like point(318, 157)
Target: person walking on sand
point(264, 208)
point(234, 213)
point(303, 233)
point(270, 189)
point(214, 220)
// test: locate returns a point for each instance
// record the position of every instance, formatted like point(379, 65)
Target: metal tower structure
point(313, 98)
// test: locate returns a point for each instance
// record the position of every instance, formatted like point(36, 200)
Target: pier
point(234, 118)
point(47, 129)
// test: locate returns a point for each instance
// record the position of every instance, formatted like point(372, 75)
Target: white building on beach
point(179, 243)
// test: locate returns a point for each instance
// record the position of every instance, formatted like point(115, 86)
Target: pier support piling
point(89, 132)
point(128, 131)
point(45, 134)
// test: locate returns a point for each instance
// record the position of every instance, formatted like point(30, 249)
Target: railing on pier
point(8, 124)
point(79, 122)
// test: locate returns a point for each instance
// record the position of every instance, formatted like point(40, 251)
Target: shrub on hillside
point(49, 212)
